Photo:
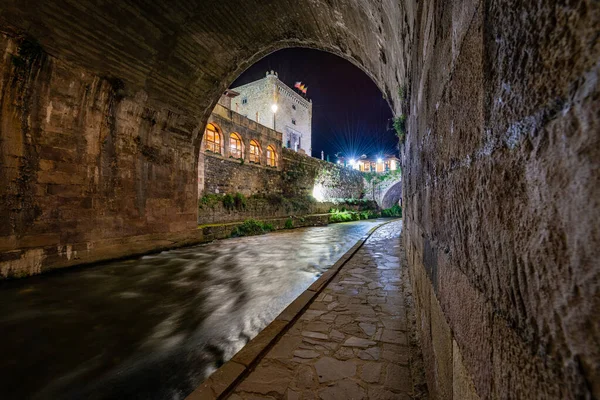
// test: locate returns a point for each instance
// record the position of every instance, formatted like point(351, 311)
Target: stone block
point(441, 338)
point(297, 306)
point(462, 384)
point(252, 350)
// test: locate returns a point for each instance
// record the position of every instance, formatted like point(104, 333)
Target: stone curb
point(220, 384)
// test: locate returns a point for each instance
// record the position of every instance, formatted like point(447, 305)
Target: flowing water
point(155, 327)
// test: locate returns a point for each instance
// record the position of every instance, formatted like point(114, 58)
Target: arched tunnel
point(103, 105)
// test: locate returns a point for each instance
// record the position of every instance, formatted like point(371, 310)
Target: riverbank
point(349, 335)
point(154, 327)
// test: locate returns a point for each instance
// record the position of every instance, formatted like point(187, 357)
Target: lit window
point(235, 145)
point(271, 156)
point(212, 139)
point(254, 151)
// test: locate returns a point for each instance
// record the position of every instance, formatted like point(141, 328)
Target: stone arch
point(132, 86)
point(392, 195)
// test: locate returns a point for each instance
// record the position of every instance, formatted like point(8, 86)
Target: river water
point(155, 327)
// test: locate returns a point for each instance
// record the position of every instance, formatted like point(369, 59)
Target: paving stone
point(368, 328)
point(372, 353)
point(329, 369)
point(343, 320)
point(398, 378)
point(337, 335)
point(358, 342)
point(397, 323)
point(395, 337)
point(329, 317)
point(285, 347)
point(306, 354)
point(306, 377)
point(317, 326)
point(344, 353)
point(380, 393)
point(292, 395)
point(396, 354)
point(344, 390)
point(309, 314)
point(314, 335)
point(329, 345)
point(371, 372)
point(266, 379)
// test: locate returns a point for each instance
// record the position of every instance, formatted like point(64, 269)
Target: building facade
point(272, 103)
point(366, 164)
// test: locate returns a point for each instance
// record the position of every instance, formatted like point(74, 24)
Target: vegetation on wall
point(337, 215)
point(395, 211)
point(343, 215)
point(289, 223)
point(251, 227)
point(376, 178)
point(400, 120)
point(230, 201)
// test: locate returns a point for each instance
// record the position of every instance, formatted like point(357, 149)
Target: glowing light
point(339, 162)
point(379, 161)
point(274, 108)
point(318, 193)
point(352, 162)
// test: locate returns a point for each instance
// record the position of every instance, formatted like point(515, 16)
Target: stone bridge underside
point(102, 105)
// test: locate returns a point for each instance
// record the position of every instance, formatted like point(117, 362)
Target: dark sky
point(349, 112)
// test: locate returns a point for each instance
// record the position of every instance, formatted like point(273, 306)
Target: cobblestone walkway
point(352, 342)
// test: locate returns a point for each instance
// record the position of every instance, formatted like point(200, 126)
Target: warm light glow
point(274, 108)
point(318, 193)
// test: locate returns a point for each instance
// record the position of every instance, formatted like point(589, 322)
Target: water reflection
point(156, 326)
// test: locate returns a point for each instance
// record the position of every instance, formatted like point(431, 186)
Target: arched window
point(254, 152)
point(271, 156)
point(235, 146)
point(212, 139)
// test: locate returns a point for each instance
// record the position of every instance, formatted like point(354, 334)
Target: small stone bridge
point(386, 191)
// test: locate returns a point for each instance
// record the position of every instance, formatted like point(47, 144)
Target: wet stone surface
point(155, 327)
point(352, 343)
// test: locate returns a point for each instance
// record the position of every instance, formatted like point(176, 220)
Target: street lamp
point(274, 108)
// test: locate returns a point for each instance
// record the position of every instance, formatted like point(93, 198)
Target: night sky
point(349, 112)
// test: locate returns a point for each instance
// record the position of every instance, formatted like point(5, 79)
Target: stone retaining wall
point(501, 212)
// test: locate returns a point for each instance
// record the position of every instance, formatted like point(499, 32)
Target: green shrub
point(209, 200)
point(400, 127)
point(228, 201)
point(239, 201)
point(395, 211)
point(341, 216)
point(251, 227)
point(289, 223)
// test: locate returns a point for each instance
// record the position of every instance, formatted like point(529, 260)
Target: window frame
point(235, 151)
point(271, 156)
point(213, 145)
point(254, 157)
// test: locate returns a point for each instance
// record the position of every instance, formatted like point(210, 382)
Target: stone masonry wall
point(124, 89)
point(501, 197)
point(293, 182)
point(82, 165)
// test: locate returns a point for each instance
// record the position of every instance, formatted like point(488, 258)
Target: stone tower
point(292, 115)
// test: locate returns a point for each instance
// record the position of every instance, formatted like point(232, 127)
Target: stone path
point(353, 340)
